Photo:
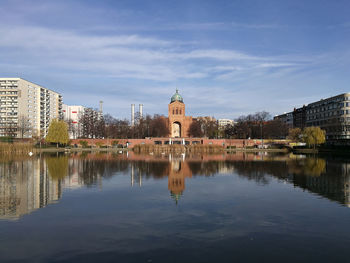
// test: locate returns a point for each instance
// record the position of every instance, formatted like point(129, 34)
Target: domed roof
point(176, 97)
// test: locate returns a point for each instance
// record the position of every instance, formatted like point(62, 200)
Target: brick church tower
point(179, 124)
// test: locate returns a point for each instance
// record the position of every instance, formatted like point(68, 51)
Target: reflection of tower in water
point(179, 170)
point(135, 178)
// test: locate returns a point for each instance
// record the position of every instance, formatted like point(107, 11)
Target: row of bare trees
point(148, 126)
point(93, 125)
point(256, 126)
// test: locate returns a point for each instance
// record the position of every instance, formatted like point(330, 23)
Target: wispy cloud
point(123, 56)
point(121, 53)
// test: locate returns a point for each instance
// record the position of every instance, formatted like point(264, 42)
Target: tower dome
point(176, 97)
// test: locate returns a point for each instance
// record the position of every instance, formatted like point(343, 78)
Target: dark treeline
point(148, 126)
point(256, 126)
point(109, 127)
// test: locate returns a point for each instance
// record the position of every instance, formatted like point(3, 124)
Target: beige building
point(222, 123)
point(26, 109)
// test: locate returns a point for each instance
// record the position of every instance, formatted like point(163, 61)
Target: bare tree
point(92, 124)
point(158, 126)
point(195, 129)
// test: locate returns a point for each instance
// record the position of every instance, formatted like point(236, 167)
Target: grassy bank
point(16, 148)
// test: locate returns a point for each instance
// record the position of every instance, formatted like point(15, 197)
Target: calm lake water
point(131, 208)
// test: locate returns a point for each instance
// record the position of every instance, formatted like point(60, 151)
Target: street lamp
point(261, 135)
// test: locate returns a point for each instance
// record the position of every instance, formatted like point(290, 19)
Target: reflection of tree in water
point(307, 166)
point(92, 170)
point(258, 171)
point(204, 168)
point(313, 174)
point(57, 166)
point(152, 169)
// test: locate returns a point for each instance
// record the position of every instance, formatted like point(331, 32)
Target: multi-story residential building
point(26, 109)
point(332, 115)
point(286, 118)
point(222, 123)
point(299, 117)
point(72, 115)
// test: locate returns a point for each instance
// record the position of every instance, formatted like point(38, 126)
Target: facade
point(72, 115)
point(179, 124)
point(299, 117)
point(286, 118)
point(224, 122)
point(26, 109)
point(332, 115)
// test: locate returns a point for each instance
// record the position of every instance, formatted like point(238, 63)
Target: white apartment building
point(72, 115)
point(224, 122)
point(26, 109)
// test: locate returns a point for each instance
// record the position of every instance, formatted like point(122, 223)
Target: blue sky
point(227, 58)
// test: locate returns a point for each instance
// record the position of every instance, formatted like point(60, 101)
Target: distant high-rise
point(141, 111)
point(132, 114)
point(101, 107)
point(26, 109)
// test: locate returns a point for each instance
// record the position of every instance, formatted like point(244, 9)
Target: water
point(129, 208)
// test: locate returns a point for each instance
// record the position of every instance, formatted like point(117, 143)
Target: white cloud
point(122, 56)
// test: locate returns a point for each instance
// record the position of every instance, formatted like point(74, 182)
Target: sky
point(227, 58)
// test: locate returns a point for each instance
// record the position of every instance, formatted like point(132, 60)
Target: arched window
point(177, 111)
point(173, 111)
point(180, 111)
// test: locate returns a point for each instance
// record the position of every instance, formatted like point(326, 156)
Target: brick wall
point(239, 143)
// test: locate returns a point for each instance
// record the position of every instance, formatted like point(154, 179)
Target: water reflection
point(33, 183)
point(26, 186)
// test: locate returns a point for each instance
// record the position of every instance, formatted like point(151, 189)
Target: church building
point(179, 124)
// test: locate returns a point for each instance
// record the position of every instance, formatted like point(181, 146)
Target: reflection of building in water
point(72, 180)
point(225, 169)
point(135, 178)
point(334, 184)
point(178, 171)
point(24, 187)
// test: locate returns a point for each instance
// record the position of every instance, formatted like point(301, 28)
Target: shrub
point(250, 147)
point(84, 144)
point(99, 144)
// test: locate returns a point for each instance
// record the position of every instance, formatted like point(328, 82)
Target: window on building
point(177, 111)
